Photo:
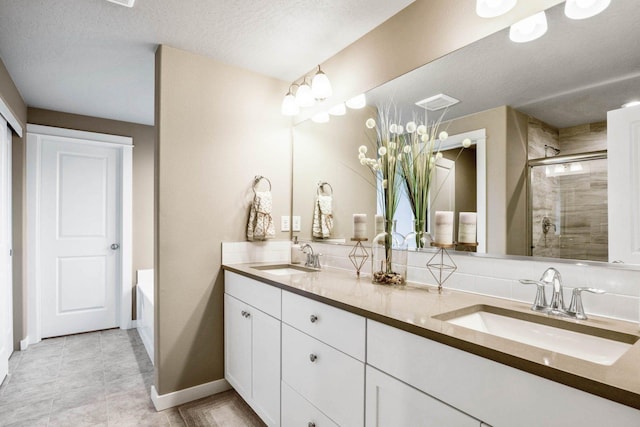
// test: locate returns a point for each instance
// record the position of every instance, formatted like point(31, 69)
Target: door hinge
point(10, 252)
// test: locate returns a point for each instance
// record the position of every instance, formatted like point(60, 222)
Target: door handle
point(115, 246)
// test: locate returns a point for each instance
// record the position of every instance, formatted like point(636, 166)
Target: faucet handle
point(575, 307)
point(540, 303)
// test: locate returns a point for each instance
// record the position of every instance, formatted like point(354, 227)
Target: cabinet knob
point(313, 318)
point(311, 424)
point(313, 357)
point(245, 313)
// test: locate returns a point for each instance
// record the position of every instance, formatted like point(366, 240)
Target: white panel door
point(6, 282)
point(623, 146)
point(442, 195)
point(78, 265)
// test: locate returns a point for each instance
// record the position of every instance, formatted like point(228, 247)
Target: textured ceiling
point(573, 75)
point(96, 58)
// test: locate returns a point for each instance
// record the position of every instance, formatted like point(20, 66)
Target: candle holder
point(467, 246)
point(440, 270)
point(358, 254)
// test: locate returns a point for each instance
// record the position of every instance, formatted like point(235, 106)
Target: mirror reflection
point(548, 101)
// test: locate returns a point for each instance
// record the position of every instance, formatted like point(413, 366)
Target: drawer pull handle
point(311, 424)
point(313, 357)
point(313, 318)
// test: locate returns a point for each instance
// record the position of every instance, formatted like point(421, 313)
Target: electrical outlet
point(284, 223)
point(295, 223)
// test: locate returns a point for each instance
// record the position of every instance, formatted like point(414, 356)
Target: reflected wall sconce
point(583, 9)
point(529, 28)
point(357, 102)
point(493, 8)
point(338, 110)
point(322, 117)
point(306, 95)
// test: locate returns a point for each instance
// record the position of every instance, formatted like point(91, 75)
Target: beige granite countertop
point(412, 308)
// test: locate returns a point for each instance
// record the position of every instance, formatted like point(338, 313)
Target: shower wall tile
point(583, 138)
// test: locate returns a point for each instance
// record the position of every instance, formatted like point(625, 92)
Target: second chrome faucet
point(551, 277)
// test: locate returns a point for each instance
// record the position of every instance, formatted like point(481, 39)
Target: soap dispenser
point(296, 251)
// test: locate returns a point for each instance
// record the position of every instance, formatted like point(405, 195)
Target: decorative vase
point(418, 237)
point(389, 256)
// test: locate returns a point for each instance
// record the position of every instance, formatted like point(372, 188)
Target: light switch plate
point(284, 223)
point(295, 223)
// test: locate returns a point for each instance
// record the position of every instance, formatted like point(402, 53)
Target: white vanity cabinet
point(252, 343)
point(392, 403)
point(323, 351)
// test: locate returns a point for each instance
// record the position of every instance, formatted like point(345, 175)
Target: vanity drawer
point(260, 295)
point(331, 380)
point(298, 412)
point(338, 328)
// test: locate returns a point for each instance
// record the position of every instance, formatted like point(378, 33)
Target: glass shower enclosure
point(568, 206)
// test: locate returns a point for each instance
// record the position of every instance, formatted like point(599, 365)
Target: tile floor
point(94, 379)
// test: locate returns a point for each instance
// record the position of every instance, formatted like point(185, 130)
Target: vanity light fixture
point(289, 105)
point(631, 104)
point(529, 28)
point(320, 86)
point(583, 9)
point(322, 117)
point(304, 95)
point(357, 102)
point(493, 8)
point(338, 110)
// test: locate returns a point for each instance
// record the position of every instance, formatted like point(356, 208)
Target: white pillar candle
point(443, 227)
point(379, 224)
point(467, 227)
point(360, 226)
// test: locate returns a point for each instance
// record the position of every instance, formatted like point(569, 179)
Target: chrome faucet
point(556, 307)
point(313, 259)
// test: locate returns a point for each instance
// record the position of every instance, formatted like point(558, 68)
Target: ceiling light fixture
point(529, 28)
point(493, 8)
point(583, 9)
point(320, 86)
point(127, 3)
point(304, 95)
point(338, 110)
point(357, 102)
point(289, 105)
point(631, 104)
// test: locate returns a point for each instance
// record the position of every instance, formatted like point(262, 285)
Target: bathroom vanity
point(324, 348)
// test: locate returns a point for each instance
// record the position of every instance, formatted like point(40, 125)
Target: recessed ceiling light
point(127, 3)
point(631, 104)
point(493, 8)
point(437, 102)
point(529, 28)
point(582, 9)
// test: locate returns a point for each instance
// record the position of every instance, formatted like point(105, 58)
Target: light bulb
point(322, 117)
point(320, 85)
point(583, 9)
point(493, 8)
point(529, 28)
point(304, 96)
point(338, 110)
point(357, 102)
point(289, 106)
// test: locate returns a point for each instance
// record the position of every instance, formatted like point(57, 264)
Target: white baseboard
point(169, 400)
point(134, 324)
point(24, 344)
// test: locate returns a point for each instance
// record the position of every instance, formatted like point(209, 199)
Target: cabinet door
point(266, 366)
point(237, 346)
point(392, 403)
point(298, 412)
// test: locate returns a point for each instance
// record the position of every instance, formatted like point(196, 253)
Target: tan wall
point(518, 240)
point(218, 127)
point(143, 165)
point(12, 99)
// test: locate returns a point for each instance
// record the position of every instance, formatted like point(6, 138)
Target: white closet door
point(78, 265)
point(6, 294)
point(623, 147)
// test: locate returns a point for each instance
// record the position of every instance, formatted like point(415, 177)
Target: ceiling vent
point(127, 3)
point(437, 102)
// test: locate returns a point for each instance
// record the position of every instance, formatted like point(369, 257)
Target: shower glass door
point(568, 207)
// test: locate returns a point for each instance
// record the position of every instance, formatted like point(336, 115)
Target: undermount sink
point(284, 269)
point(572, 339)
